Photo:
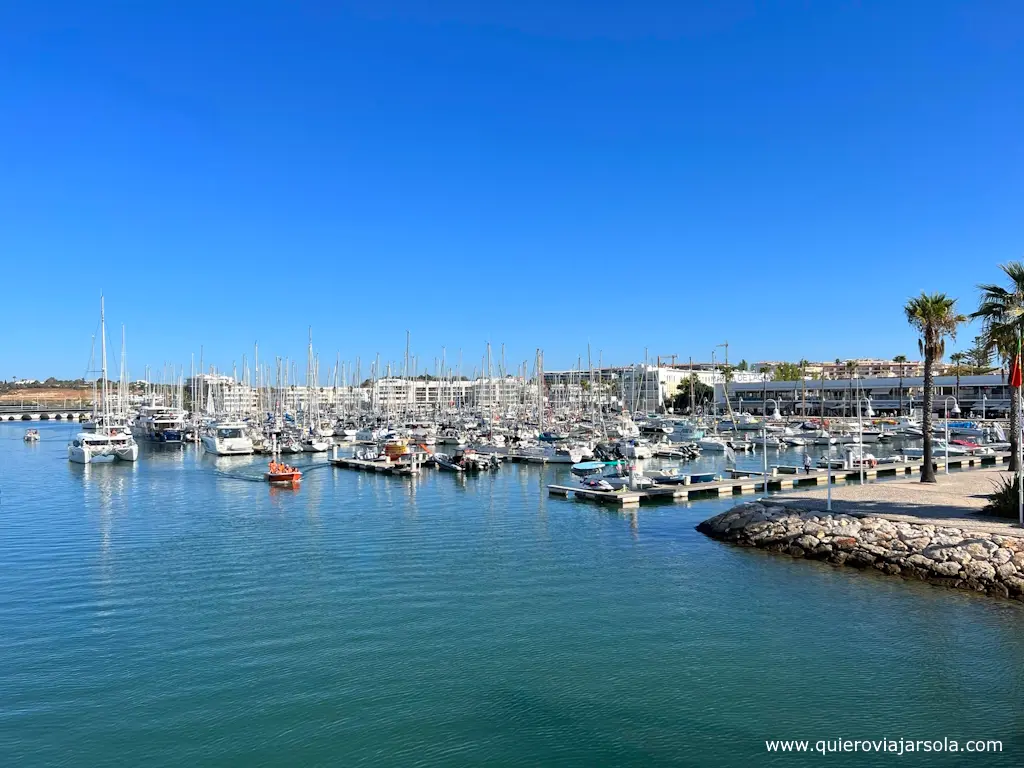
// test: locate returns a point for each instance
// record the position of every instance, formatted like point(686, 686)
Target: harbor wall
point(946, 556)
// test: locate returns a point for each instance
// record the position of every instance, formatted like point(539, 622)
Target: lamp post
point(764, 438)
point(955, 412)
point(983, 403)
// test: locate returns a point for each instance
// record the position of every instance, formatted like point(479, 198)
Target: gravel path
point(959, 496)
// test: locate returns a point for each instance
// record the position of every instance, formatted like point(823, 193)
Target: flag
point(1016, 379)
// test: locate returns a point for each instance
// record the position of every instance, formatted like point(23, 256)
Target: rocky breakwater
point(947, 556)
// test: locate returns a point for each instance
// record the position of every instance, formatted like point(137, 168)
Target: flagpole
point(1020, 449)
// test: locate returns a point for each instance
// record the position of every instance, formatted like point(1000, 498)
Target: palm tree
point(851, 367)
point(1001, 311)
point(902, 360)
point(803, 379)
point(934, 316)
point(957, 359)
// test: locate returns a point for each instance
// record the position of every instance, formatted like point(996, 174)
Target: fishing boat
point(31, 435)
point(282, 473)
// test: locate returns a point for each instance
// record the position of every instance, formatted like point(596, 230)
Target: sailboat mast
point(103, 358)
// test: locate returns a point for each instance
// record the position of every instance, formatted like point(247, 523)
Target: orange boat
point(282, 473)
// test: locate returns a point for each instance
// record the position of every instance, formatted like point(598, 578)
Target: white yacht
point(712, 444)
point(159, 424)
point(634, 449)
point(227, 439)
point(939, 450)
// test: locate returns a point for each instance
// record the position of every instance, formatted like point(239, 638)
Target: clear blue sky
point(657, 174)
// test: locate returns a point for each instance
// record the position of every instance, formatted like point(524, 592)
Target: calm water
point(176, 613)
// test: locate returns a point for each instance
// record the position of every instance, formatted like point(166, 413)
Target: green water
point(176, 613)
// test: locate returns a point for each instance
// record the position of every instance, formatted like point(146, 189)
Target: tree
point(701, 392)
point(957, 359)
point(902, 360)
point(851, 368)
point(1001, 311)
point(935, 318)
point(743, 365)
point(788, 372)
point(803, 380)
point(979, 356)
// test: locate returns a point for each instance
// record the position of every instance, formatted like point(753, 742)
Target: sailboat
point(111, 441)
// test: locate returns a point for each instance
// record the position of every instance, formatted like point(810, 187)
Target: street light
point(955, 412)
point(983, 403)
point(764, 437)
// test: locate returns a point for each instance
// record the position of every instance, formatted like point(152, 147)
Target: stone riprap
point(952, 557)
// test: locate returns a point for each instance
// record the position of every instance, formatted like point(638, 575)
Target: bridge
point(70, 411)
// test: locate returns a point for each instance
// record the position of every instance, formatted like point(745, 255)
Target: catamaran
point(111, 440)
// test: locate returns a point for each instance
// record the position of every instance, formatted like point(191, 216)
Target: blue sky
point(654, 174)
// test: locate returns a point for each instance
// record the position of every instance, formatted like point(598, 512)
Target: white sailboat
point(110, 441)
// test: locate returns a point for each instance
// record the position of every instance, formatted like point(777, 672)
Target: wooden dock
point(780, 477)
point(381, 465)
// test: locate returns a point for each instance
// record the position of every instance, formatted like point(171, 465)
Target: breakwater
point(943, 555)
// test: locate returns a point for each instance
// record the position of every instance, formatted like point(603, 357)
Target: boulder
point(807, 542)
point(947, 568)
point(979, 549)
point(980, 570)
point(1001, 555)
point(1006, 571)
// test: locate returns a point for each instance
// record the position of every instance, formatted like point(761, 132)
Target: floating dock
point(780, 477)
point(381, 465)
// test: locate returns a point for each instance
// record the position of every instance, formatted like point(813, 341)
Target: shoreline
point(986, 557)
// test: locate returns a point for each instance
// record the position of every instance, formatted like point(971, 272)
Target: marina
point(358, 574)
point(526, 385)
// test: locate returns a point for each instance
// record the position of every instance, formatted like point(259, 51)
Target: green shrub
point(1003, 500)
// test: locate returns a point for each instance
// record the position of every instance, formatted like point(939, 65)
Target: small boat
point(667, 476)
point(712, 444)
point(31, 435)
point(282, 473)
point(442, 461)
point(940, 449)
